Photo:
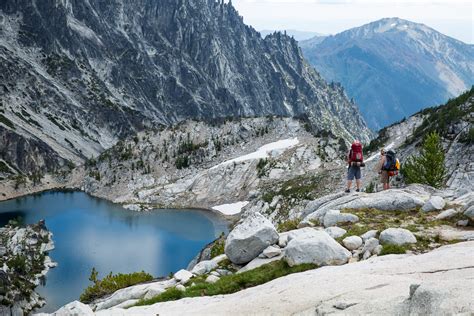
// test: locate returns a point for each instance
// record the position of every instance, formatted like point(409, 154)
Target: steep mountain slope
point(77, 76)
point(393, 67)
point(195, 164)
point(454, 121)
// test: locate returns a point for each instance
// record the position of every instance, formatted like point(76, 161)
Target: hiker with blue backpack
point(389, 166)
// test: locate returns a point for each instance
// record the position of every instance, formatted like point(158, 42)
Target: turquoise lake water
point(90, 232)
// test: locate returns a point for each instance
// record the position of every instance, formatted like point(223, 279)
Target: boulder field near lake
point(299, 244)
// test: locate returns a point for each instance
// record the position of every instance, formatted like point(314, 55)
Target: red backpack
point(356, 153)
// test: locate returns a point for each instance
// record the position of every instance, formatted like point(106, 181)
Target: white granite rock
point(397, 236)
point(334, 217)
point(183, 276)
point(435, 203)
point(352, 242)
point(321, 250)
point(335, 232)
point(271, 251)
point(248, 239)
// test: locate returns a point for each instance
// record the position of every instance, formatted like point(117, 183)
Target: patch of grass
point(231, 283)
point(302, 187)
point(288, 225)
point(393, 249)
point(111, 283)
point(375, 219)
point(218, 248)
point(355, 229)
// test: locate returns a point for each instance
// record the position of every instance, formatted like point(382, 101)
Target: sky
point(451, 17)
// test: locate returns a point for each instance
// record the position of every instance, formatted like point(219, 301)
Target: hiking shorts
point(354, 172)
point(384, 178)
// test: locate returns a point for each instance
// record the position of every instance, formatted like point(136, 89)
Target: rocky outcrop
point(393, 200)
point(24, 262)
point(130, 295)
point(320, 249)
point(377, 286)
point(248, 239)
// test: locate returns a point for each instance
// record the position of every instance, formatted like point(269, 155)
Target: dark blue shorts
point(354, 172)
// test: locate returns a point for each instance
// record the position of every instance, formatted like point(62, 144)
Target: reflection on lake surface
point(90, 232)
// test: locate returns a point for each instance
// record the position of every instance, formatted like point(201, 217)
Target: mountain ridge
point(394, 67)
point(88, 74)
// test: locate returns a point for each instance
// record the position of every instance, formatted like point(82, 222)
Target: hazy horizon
point(329, 17)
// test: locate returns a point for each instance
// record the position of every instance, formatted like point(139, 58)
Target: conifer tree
point(427, 168)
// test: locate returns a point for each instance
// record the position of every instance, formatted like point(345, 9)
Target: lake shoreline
point(146, 207)
point(87, 230)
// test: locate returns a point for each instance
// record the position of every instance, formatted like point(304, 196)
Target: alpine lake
point(90, 232)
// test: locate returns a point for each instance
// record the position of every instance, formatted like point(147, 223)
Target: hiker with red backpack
point(355, 159)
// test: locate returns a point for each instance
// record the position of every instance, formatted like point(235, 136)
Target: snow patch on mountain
point(272, 149)
point(231, 209)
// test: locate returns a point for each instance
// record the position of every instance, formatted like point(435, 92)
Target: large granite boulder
point(397, 236)
point(436, 203)
point(250, 238)
point(75, 308)
point(334, 217)
point(470, 213)
point(320, 249)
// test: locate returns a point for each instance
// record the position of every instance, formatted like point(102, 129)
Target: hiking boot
point(357, 190)
point(348, 191)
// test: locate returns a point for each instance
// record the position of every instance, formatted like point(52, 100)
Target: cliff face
point(80, 75)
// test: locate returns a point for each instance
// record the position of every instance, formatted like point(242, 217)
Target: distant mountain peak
point(394, 67)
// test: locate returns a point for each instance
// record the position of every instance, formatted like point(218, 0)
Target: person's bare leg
point(358, 183)
point(349, 184)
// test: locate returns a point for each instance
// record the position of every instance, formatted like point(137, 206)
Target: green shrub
point(4, 168)
point(182, 162)
point(393, 249)
point(111, 283)
point(261, 167)
point(19, 181)
point(427, 168)
point(218, 248)
point(231, 283)
point(469, 137)
point(18, 264)
point(288, 225)
point(370, 188)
